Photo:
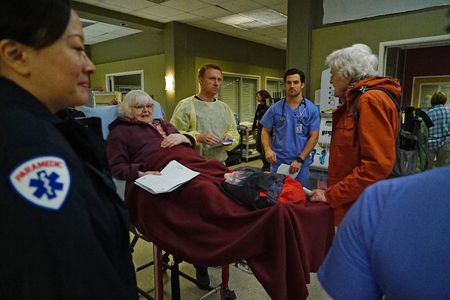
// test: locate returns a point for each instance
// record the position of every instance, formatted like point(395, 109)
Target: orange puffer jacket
point(358, 161)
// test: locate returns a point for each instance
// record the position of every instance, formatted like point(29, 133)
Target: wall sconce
point(170, 83)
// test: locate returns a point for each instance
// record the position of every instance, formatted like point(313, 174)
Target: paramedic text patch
point(43, 181)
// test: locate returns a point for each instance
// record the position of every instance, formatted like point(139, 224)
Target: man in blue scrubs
point(295, 123)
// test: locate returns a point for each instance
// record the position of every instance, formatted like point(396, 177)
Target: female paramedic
point(64, 230)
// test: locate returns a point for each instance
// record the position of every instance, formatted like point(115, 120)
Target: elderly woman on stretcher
point(201, 224)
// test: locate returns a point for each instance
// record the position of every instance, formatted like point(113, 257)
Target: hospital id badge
point(298, 128)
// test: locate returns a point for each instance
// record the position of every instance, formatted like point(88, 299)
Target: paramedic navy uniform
point(291, 130)
point(64, 231)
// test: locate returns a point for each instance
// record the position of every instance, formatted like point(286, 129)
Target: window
point(238, 91)
point(275, 87)
point(125, 81)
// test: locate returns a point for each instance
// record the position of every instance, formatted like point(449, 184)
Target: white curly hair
point(132, 98)
point(356, 62)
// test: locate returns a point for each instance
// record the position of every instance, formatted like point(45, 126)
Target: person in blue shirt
point(439, 135)
point(294, 123)
point(394, 242)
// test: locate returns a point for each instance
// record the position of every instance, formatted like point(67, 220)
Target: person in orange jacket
point(362, 152)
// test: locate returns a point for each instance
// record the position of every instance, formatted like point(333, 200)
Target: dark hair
point(294, 71)
point(205, 67)
point(438, 98)
point(264, 95)
point(35, 23)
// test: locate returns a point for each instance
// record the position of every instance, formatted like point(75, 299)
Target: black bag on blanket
point(253, 188)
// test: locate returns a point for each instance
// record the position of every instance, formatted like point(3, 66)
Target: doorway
point(410, 59)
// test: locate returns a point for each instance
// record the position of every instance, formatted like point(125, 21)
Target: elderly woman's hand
point(318, 195)
point(140, 173)
point(173, 140)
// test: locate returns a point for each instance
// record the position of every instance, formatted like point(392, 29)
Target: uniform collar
point(16, 96)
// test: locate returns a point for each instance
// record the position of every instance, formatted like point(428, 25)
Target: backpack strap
point(364, 89)
point(361, 91)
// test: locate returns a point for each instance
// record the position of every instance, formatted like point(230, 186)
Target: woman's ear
point(14, 56)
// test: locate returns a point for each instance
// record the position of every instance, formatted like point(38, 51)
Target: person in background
point(394, 242)
point(364, 152)
point(207, 119)
point(439, 133)
point(65, 230)
point(262, 97)
point(295, 123)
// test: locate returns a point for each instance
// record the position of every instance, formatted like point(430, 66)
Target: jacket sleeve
point(118, 156)
point(231, 129)
point(376, 135)
point(184, 118)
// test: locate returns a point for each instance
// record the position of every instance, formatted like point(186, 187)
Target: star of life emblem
point(44, 181)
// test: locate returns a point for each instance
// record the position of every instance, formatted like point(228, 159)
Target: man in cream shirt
point(207, 119)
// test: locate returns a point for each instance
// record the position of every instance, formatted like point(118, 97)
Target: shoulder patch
point(44, 181)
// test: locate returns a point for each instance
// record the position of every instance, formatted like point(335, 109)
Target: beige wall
point(234, 67)
point(429, 22)
point(154, 72)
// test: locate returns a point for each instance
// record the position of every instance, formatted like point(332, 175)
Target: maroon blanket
point(201, 225)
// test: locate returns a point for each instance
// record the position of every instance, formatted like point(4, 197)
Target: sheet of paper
point(284, 169)
point(308, 192)
point(172, 176)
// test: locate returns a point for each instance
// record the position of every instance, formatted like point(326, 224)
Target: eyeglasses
point(141, 107)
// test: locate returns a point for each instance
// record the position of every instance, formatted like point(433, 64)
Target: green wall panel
point(430, 22)
point(154, 72)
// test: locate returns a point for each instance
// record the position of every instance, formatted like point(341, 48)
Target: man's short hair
point(205, 67)
point(438, 98)
point(294, 71)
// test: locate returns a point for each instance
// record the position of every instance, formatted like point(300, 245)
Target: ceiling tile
point(184, 5)
point(160, 11)
point(211, 12)
point(113, 7)
point(184, 17)
point(214, 2)
point(238, 6)
point(199, 13)
point(134, 4)
point(270, 2)
point(281, 8)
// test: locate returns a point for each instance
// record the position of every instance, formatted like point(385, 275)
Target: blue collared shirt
point(440, 115)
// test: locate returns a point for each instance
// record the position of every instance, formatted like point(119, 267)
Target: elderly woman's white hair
point(133, 98)
point(356, 62)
